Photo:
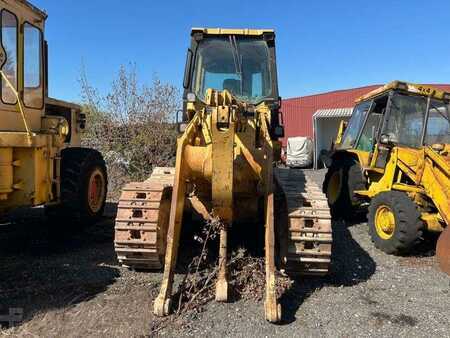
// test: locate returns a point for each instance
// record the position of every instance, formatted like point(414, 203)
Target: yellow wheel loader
point(41, 161)
point(225, 169)
point(394, 157)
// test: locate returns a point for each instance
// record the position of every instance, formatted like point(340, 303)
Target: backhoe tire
point(342, 179)
point(84, 184)
point(394, 222)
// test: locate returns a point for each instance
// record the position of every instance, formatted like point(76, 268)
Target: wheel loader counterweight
point(394, 156)
point(41, 161)
point(225, 169)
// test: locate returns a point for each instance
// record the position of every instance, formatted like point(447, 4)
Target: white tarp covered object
point(299, 152)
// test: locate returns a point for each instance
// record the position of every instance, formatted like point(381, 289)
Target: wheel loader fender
point(343, 155)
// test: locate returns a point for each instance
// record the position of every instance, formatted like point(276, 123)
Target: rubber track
point(139, 231)
point(309, 233)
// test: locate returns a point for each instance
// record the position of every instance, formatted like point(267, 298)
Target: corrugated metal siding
point(298, 112)
point(335, 112)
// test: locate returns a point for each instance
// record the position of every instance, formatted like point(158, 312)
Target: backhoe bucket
point(443, 250)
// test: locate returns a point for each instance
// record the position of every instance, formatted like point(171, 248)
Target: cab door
point(21, 33)
point(369, 136)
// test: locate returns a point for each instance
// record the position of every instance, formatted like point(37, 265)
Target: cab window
point(368, 135)
point(438, 126)
point(406, 120)
point(355, 124)
point(33, 90)
point(9, 43)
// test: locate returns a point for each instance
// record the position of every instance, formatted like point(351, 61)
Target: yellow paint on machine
point(31, 137)
point(419, 169)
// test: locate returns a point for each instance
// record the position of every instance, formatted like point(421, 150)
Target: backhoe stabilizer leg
point(271, 306)
point(222, 280)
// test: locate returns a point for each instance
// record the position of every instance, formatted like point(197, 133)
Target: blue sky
point(321, 45)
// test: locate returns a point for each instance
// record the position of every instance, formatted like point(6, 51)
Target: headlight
point(63, 127)
point(191, 97)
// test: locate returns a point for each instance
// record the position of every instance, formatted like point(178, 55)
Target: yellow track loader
point(41, 162)
point(394, 156)
point(225, 168)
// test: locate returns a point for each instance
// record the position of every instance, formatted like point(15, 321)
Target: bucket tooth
point(222, 281)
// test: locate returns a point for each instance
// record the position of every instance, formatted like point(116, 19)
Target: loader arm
point(436, 181)
point(430, 171)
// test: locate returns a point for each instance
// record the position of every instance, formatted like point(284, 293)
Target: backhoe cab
point(41, 162)
point(394, 157)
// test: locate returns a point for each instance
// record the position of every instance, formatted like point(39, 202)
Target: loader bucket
point(443, 250)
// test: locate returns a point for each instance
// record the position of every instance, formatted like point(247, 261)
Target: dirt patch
point(74, 287)
point(402, 320)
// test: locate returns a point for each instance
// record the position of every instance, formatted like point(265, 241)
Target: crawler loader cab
point(240, 61)
point(41, 159)
point(394, 156)
point(225, 171)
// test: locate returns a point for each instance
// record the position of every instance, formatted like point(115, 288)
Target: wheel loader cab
point(41, 162)
point(23, 65)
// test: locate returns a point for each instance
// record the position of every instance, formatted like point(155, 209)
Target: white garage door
point(326, 125)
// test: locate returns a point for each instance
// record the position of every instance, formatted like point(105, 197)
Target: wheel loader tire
point(84, 184)
point(394, 222)
point(342, 179)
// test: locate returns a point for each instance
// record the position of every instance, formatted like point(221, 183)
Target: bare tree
point(132, 125)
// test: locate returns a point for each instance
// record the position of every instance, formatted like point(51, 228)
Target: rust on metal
point(142, 220)
point(443, 251)
point(309, 233)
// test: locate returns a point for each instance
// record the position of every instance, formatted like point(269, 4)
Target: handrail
point(19, 103)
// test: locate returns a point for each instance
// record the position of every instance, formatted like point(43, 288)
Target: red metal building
point(298, 112)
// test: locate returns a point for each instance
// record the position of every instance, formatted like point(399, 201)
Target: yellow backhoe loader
point(41, 162)
point(394, 156)
point(225, 168)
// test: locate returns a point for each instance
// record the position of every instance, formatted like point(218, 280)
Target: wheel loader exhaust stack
point(225, 168)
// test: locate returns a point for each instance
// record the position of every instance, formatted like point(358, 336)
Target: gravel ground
point(72, 286)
